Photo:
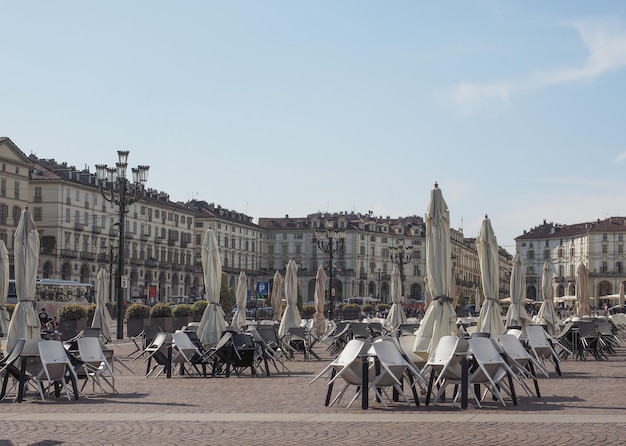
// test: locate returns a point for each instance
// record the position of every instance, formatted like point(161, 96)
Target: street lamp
point(378, 279)
point(330, 242)
point(118, 190)
point(400, 255)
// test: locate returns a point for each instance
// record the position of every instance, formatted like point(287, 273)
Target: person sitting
point(53, 324)
point(43, 317)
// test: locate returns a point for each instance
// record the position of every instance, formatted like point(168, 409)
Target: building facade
point(79, 234)
point(598, 244)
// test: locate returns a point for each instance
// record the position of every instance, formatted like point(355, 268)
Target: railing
point(72, 253)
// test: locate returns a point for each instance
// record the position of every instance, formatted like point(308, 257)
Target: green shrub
point(199, 306)
point(91, 310)
point(161, 309)
point(383, 307)
point(368, 308)
point(72, 312)
point(308, 311)
point(182, 310)
point(137, 311)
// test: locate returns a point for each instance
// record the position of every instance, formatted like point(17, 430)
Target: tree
point(227, 295)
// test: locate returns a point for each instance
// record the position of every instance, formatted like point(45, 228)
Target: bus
point(54, 293)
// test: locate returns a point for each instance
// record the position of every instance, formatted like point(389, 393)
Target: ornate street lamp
point(330, 242)
point(400, 255)
point(118, 190)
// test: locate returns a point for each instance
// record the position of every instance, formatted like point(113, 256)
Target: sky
point(274, 108)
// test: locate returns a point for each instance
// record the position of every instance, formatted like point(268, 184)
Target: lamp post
point(118, 190)
point(111, 272)
point(378, 279)
point(400, 255)
point(330, 242)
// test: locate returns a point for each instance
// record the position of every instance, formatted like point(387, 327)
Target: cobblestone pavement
point(586, 405)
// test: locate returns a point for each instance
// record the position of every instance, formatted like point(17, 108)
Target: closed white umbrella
point(101, 317)
point(319, 298)
point(428, 298)
point(440, 317)
point(241, 294)
point(490, 319)
point(212, 324)
point(478, 299)
point(4, 288)
point(547, 312)
point(277, 295)
point(291, 316)
point(517, 315)
point(396, 314)
point(25, 322)
point(582, 291)
point(454, 288)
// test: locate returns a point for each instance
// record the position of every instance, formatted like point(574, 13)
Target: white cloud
point(605, 39)
point(619, 158)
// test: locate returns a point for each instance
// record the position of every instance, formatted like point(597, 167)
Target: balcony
point(158, 239)
point(88, 255)
point(104, 258)
point(113, 232)
point(166, 265)
point(177, 266)
point(171, 243)
point(79, 227)
point(144, 237)
point(96, 229)
point(152, 263)
point(70, 253)
point(136, 261)
point(363, 276)
point(191, 268)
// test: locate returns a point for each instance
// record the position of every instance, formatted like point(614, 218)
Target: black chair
point(239, 354)
point(8, 367)
point(159, 351)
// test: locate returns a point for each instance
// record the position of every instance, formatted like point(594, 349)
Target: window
point(37, 214)
point(572, 270)
point(546, 254)
point(67, 215)
point(531, 254)
point(619, 266)
point(560, 253)
point(297, 236)
point(572, 252)
point(37, 197)
point(620, 249)
point(605, 248)
point(17, 211)
point(284, 249)
point(561, 270)
point(605, 237)
point(3, 187)
point(604, 267)
point(17, 190)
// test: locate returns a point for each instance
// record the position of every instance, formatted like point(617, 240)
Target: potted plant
point(91, 310)
point(161, 316)
point(72, 319)
point(308, 311)
point(136, 317)
point(198, 308)
point(181, 315)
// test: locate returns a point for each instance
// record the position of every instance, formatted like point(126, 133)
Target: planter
point(135, 326)
point(179, 322)
point(70, 329)
point(165, 323)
